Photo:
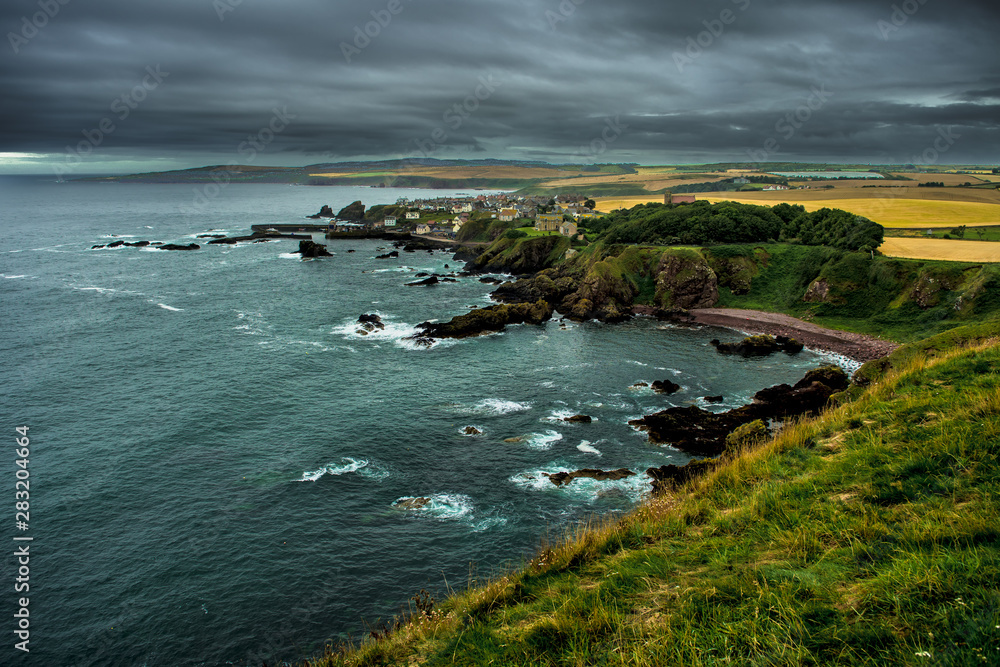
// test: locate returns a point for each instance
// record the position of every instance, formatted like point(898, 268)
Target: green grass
point(867, 536)
point(971, 233)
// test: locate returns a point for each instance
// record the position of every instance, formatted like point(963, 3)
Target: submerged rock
point(433, 280)
point(412, 503)
point(174, 246)
point(578, 419)
point(564, 478)
point(389, 255)
point(471, 430)
point(714, 399)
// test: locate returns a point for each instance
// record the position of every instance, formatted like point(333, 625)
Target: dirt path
point(855, 346)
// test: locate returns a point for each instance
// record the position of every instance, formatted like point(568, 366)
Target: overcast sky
point(116, 85)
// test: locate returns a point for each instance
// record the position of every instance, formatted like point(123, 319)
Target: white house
point(390, 222)
point(508, 215)
point(413, 215)
point(423, 228)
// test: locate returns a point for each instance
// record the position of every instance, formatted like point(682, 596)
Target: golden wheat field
point(887, 211)
point(942, 249)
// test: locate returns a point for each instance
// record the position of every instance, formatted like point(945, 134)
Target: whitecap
point(583, 488)
point(495, 407)
point(347, 465)
point(13, 277)
point(543, 441)
point(587, 448)
point(559, 415)
point(166, 307)
point(290, 255)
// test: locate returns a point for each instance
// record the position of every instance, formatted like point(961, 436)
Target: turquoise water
point(215, 452)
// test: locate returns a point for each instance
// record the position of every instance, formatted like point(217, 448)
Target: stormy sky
point(94, 86)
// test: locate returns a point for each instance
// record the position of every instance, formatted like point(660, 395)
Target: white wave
point(166, 307)
point(559, 415)
point(148, 226)
point(347, 465)
point(583, 488)
point(99, 290)
point(150, 248)
point(543, 441)
point(636, 363)
point(118, 236)
point(587, 448)
point(14, 277)
point(290, 255)
point(548, 384)
point(494, 407)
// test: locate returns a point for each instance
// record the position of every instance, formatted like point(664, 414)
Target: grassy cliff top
point(868, 535)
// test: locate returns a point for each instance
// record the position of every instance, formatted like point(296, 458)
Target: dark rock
point(491, 281)
point(487, 320)
point(138, 244)
point(697, 431)
point(579, 419)
point(412, 503)
point(448, 280)
point(370, 323)
point(639, 385)
point(97, 247)
point(211, 236)
point(471, 430)
point(433, 280)
point(665, 387)
point(174, 246)
point(354, 212)
point(312, 249)
point(351, 250)
point(422, 274)
point(116, 244)
point(564, 478)
point(759, 346)
point(389, 255)
point(669, 477)
point(714, 399)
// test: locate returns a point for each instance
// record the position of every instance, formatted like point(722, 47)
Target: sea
point(216, 455)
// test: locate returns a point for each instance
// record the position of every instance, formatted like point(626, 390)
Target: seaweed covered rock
point(747, 435)
point(759, 346)
point(491, 319)
point(311, 249)
point(564, 478)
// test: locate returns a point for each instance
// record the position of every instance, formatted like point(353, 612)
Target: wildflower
point(923, 654)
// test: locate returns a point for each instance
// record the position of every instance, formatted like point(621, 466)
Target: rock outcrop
point(389, 255)
point(312, 249)
point(491, 319)
point(433, 280)
point(369, 323)
point(579, 419)
point(174, 246)
point(668, 477)
point(697, 431)
point(564, 478)
point(665, 387)
point(412, 503)
point(354, 212)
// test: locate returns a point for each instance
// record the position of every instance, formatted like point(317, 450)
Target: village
point(444, 217)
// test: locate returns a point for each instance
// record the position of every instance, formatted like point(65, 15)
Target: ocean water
point(216, 454)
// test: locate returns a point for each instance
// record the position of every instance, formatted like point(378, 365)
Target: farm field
point(941, 249)
point(907, 211)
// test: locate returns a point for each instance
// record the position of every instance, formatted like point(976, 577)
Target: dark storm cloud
point(547, 79)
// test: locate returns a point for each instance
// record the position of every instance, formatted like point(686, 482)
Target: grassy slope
point(867, 536)
point(868, 295)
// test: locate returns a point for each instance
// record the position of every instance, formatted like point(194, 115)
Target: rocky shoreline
point(854, 346)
